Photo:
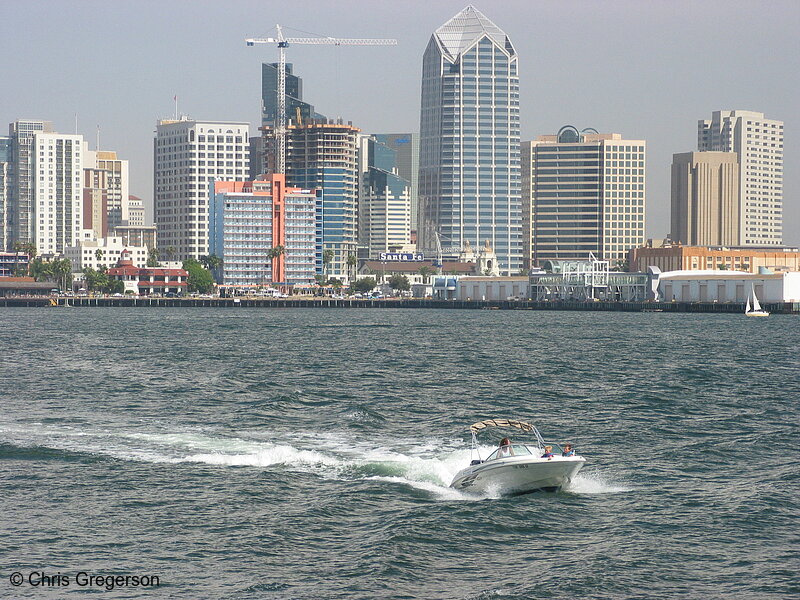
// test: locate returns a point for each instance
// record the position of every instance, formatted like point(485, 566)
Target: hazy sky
point(645, 69)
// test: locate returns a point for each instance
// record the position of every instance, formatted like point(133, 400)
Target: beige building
point(582, 192)
point(705, 199)
point(759, 143)
point(699, 258)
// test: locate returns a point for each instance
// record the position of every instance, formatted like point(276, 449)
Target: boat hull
point(518, 475)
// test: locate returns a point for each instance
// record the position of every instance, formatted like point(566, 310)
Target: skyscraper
point(5, 166)
point(759, 143)
point(294, 96)
point(705, 199)
point(57, 167)
point(384, 207)
point(584, 192)
point(469, 157)
point(188, 155)
point(406, 145)
point(324, 156)
point(20, 184)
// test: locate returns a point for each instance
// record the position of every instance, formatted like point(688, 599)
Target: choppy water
point(307, 453)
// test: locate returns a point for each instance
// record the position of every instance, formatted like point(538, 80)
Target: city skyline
point(655, 71)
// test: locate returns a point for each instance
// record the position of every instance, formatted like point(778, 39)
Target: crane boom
point(283, 43)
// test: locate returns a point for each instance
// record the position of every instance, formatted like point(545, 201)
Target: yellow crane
point(283, 43)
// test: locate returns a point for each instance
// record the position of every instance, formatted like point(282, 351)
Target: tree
point(327, 259)
point(399, 282)
point(352, 261)
point(425, 271)
point(98, 254)
point(152, 258)
point(200, 279)
point(365, 284)
point(336, 283)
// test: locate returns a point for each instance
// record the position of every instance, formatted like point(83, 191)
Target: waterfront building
point(20, 180)
point(676, 257)
point(148, 280)
point(406, 147)
point(721, 286)
point(487, 288)
point(705, 198)
point(583, 192)
point(57, 215)
point(250, 220)
point(136, 212)
point(104, 252)
point(469, 153)
point(758, 142)
point(189, 155)
point(137, 235)
point(384, 205)
point(13, 264)
point(324, 156)
point(417, 272)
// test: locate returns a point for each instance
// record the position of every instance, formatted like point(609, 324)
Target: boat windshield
point(512, 450)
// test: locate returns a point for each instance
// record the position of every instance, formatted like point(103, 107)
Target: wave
point(426, 466)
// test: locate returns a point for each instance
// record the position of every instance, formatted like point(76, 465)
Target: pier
point(268, 303)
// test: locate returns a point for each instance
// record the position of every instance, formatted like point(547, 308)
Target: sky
point(645, 69)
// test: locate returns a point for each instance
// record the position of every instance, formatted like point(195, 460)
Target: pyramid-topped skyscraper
point(469, 176)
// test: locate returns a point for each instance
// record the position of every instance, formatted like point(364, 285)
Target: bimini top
point(480, 425)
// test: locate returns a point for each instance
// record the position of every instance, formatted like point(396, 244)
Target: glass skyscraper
point(469, 163)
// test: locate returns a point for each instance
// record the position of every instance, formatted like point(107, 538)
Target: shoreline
point(407, 303)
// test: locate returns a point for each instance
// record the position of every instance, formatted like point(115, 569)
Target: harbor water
point(307, 453)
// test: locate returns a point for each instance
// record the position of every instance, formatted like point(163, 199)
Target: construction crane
point(283, 43)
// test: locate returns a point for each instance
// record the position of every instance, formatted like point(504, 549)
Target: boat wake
point(427, 467)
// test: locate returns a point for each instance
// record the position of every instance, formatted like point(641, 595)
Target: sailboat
point(754, 309)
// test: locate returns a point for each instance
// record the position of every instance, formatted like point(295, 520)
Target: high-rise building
point(188, 156)
point(583, 192)
point(5, 166)
point(759, 143)
point(112, 173)
point(136, 212)
point(384, 207)
point(406, 146)
point(469, 156)
point(325, 156)
point(20, 184)
point(57, 168)
point(705, 199)
point(250, 220)
point(294, 97)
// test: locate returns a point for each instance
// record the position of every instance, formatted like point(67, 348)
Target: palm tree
point(425, 271)
point(273, 253)
point(99, 255)
point(327, 259)
point(352, 261)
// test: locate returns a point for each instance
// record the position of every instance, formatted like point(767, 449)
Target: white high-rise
point(188, 156)
point(759, 143)
point(469, 152)
point(56, 203)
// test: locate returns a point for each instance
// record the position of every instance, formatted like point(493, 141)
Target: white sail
point(756, 305)
point(747, 308)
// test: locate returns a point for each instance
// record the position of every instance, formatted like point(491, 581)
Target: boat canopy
point(481, 425)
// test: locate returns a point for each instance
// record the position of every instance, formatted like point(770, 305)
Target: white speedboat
point(517, 468)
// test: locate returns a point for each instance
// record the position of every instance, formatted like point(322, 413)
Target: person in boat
point(548, 452)
point(505, 448)
point(568, 451)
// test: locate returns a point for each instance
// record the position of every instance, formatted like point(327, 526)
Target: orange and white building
point(676, 257)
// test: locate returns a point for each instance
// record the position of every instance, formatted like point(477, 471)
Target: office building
point(104, 252)
point(705, 199)
point(250, 220)
point(324, 156)
point(136, 211)
point(57, 198)
point(137, 235)
point(677, 257)
point(384, 207)
point(583, 192)
point(104, 169)
point(294, 97)
point(469, 161)
point(758, 142)
point(20, 180)
point(189, 155)
point(406, 147)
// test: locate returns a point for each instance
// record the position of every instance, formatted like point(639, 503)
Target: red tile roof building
point(148, 280)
